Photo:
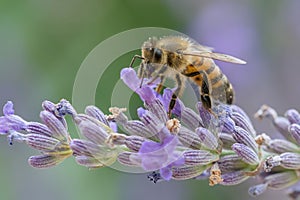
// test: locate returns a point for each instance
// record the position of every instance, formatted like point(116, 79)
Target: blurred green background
point(43, 43)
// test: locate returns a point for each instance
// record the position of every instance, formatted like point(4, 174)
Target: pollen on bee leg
point(215, 175)
point(173, 125)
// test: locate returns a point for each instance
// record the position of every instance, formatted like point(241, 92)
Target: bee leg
point(160, 74)
point(205, 93)
point(175, 94)
point(134, 58)
point(161, 84)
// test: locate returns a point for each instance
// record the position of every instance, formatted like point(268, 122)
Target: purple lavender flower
point(284, 155)
point(51, 138)
point(222, 146)
point(10, 122)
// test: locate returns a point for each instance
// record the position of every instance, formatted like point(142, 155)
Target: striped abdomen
point(211, 81)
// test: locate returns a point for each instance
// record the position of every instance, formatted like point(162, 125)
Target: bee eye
point(157, 54)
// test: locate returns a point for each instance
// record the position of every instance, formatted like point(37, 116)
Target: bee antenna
point(134, 58)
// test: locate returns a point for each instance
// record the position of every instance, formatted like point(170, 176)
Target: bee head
point(151, 53)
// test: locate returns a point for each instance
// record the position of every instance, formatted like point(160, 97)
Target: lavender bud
point(293, 116)
point(134, 142)
point(189, 138)
point(191, 119)
point(93, 133)
point(83, 118)
point(281, 180)
point(199, 157)
point(294, 130)
point(84, 147)
point(243, 137)
point(63, 108)
point(257, 190)
point(281, 146)
point(205, 115)
point(38, 128)
point(41, 142)
point(95, 112)
point(152, 122)
point(231, 163)
point(52, 108)
point(129, 159)
point(290, 160)
point(48, 106)
point(234, 178)
point(88, 161)
point(157, 108)
point(237, 109)
point(228, 125)
point(207, 138)
point(135, 127)
point(57, 128)
point(242, 122)
point(245, 153)
point(186, 172)
point(227, 140)
point(282, 125)
point(44, 161)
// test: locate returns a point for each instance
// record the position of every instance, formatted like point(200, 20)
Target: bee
point(181, 58)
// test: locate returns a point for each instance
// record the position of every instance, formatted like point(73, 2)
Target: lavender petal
point(8, 108)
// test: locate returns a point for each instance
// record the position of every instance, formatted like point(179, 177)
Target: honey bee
point(180, 58)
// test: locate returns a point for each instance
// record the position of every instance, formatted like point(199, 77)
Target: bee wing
point(215, 56)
